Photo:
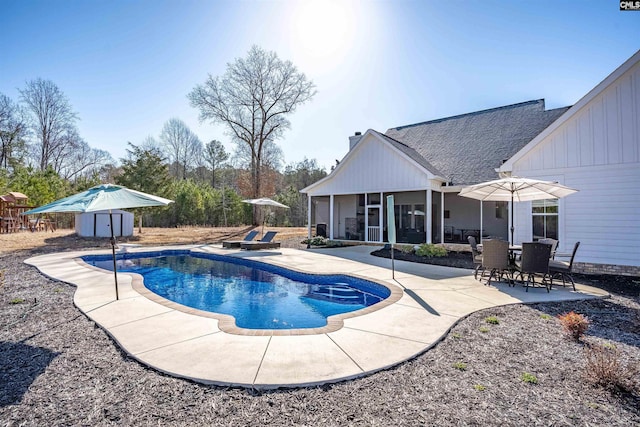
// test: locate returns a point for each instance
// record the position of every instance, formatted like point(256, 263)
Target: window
point(545, 219)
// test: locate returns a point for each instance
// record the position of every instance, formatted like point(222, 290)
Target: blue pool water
point(257, 295)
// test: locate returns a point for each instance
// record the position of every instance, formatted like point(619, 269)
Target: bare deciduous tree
point(14, 126)
point(84, 162)
point(53, 119)
point(252, 99)
point(182, 146)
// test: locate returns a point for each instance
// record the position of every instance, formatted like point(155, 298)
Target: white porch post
point(380, 218)
point(309, 215)
point(442, 217)
point(428, 215)
point(331, 217)
point(481, 210)
point(366, 218)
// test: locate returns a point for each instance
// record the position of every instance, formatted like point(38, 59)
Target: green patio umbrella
point(100, 198)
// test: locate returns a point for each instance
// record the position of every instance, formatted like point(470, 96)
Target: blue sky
point(127, 66)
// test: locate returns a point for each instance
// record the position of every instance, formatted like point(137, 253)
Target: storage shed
point(97, 224)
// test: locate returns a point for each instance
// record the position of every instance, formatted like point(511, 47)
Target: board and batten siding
point(371, 167)
point(596, 151)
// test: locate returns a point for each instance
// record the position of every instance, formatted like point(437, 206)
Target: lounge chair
point(236, 243)
point(264, 243)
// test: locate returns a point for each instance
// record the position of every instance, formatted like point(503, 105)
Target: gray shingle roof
point(466, 149)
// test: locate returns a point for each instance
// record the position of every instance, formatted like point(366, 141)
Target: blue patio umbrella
point(100, 198)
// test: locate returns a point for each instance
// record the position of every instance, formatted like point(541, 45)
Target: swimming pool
point(257, 295)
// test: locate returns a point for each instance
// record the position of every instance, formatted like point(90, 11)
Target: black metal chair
point(563, 268)
point(534, 260)
point(495, 259)
point(477, 256)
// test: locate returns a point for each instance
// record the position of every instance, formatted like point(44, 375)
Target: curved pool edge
point(227, 323)
point(195, 347)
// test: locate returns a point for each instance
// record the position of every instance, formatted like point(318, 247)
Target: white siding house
point(350, 201)
point(595, 148)
point(424, 166)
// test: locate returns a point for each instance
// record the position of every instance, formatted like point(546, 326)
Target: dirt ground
point(61, 239)
point(57, 367)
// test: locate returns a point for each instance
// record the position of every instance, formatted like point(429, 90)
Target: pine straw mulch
point(58, 368)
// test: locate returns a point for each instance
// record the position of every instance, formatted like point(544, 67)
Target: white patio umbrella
point(516, 189)
point(100, 198)
point(265, 201)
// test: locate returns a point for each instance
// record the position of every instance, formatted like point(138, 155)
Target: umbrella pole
point(512, 228)
point(113, 252)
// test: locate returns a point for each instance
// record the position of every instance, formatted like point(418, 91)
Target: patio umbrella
point(265, 201)
point(100, 198)
point(516, 189)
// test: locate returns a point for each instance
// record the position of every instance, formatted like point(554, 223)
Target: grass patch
point(483, 329)
point(16, 301)
point(492, 320)
point(545, 316)
point(479, 387)
point(456, 335)
point(529, 378)
point(460, 366)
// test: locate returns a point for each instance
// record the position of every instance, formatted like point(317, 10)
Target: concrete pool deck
point(430, 300)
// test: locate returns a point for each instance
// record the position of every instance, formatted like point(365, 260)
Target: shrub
point(492, 320)
point(545, 316)
point(316, 241)
point(460, 365)
point(529, 378)
point(574, 324)
point(430, 250)
point(406, 249)
point(603, 368)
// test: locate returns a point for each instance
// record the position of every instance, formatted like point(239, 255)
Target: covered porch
point(449, 218)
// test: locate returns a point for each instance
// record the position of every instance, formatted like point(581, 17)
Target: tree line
point(43, 155)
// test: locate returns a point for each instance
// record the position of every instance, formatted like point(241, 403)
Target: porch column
point(331, 217)
point(429, 215)
point(366, 218)
point(442, 217)
point(381, 218)
point(309, 215)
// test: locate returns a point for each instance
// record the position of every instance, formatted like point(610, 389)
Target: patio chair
point(563, 268)
point(236, 243)
point(477, 256)
point(534, 260)
point(264, 243)
point(554, 246)
point(495, 259)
